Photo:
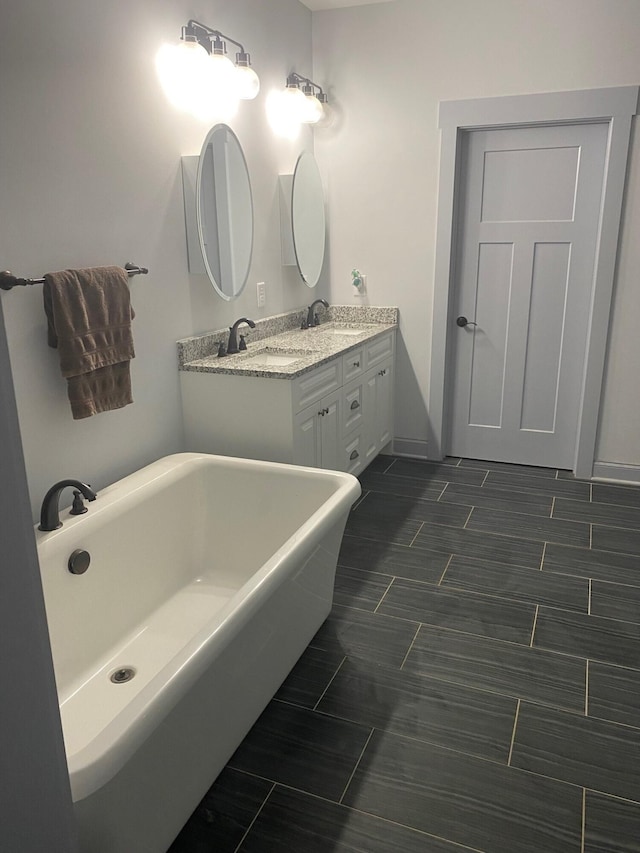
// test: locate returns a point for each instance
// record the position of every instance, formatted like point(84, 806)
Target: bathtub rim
point(99, 761)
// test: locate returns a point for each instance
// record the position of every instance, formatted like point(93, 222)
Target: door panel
point(544, 336)
point(524, 269)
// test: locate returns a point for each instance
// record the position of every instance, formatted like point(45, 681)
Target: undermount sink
point(346, 330)
point(269, 358)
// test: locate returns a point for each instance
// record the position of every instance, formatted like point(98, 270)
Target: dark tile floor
point(476, 687)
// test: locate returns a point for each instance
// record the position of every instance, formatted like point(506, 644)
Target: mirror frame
point(199, 224)
point(306, 155)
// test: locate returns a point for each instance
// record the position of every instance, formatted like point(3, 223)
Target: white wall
point(90, 174)
point(388, 66)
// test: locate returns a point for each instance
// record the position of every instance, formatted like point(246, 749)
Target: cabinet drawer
point(352, 406)
point(312, 386)
point(378, 350)
point(352, 364)
point(352, 456)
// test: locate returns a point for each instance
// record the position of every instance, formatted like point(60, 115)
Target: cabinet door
point(331, 432)
point(306, 437)
point(369, 429)
point(383, 418)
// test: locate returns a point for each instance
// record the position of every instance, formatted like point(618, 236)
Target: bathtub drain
point(120, 676)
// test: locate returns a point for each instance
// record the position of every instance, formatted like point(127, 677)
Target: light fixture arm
point(294, 79)
point(204, 36)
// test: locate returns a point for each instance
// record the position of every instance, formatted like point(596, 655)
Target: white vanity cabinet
point(338, 415)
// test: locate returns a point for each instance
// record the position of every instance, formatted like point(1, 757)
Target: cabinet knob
point(354, 454)
point(355, 405)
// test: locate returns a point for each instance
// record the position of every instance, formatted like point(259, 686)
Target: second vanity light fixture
point(307, 106)
point(302, 102)
point(199, 78)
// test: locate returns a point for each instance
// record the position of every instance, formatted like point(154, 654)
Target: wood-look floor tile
point(509, 550)
point(451, 715)
point(517, 584)
point(581, 750)
point(428, 472)
point(593, 637)
point(615, 601)
point(567, 488)
point(509, 468)
point(615, 539)
point(587, 563)
point(389, 484)
point(506, 500)
point(468, 800)
point(388, 558)
point(293, 822)
point(462, 611)
point(302, 749)
point(497, 666)
point(597, 513)
point(384, 509)
point(530, 527)
point(372, 636)
point(309, 678)
point(223, 815)
point(357, 588)
point(611, 825)
point(614, 693)
point(607, 493)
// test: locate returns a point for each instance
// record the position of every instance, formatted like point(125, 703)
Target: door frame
point(616, 106)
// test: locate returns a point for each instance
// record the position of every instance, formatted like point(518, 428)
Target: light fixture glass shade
point(282, 114)
point(313, 111)
point(181, 69)
point(218, 98)
point(247, 82)
point(328, 116)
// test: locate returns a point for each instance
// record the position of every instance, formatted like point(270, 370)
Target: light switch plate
point(261, 292)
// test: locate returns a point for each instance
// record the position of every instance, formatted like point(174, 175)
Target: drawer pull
point(356, 364)
point(354, 454)
point(323, 412)
point(382, 372)
point(355, 405)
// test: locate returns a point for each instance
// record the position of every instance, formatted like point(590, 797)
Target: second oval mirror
point(224, 211)
point(307, 218)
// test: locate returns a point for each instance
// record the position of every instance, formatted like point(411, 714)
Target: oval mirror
point(307, 218)
point(224, 211)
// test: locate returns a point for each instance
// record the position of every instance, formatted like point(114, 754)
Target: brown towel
point(89, 320)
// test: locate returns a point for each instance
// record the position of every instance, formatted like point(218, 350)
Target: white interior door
point(528, 216)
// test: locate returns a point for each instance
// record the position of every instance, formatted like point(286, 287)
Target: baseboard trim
point(616, 473)
point(411, 447)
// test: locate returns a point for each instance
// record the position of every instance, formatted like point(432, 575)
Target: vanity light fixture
point(314, 109)
point(198, 77)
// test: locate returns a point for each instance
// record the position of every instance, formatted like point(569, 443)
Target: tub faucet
point(312, 319)
point(232, 346)
point(49, 513)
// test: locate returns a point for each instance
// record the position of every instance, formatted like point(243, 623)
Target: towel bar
point(8, 280)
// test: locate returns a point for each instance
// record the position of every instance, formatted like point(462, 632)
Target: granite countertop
point(282, 350)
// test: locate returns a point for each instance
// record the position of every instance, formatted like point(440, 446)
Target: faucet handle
point(78, 507)
point(221, 349)
point(243, 344)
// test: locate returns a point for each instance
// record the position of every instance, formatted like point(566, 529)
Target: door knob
point(462, 321)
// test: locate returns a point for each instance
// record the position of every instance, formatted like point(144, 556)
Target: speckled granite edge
point(202, 346)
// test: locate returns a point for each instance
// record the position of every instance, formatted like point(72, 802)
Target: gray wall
point(90, 151)
point(35, 800)
point(389, 65)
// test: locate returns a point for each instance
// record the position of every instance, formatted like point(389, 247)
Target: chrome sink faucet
point(312, 319)
point(50, 512)
point(232, 346)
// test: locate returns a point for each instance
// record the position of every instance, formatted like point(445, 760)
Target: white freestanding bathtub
point(208, 577)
